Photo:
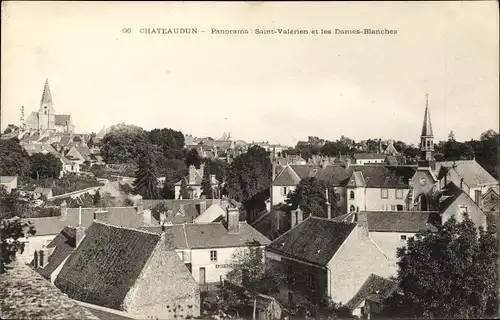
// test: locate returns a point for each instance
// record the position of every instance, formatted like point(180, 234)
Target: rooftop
point(401, 221)
point(26, 295)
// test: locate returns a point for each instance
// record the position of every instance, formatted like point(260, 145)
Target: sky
point(278, 88)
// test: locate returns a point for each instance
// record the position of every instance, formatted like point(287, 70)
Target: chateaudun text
point(277, 31)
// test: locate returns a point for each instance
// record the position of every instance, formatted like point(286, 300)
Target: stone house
point(130, 270)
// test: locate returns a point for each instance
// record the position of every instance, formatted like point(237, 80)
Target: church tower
point(427, 137)
point(46, 113)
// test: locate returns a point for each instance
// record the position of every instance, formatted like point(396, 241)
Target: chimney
point(202, 168)
point(379, 145)
point(64, 210)
point(163, 217)
point(347, 162)
point(293, 218)
point(233, 220)
point(324, 163)
point(192, 174)
point(80, 233)
point(44, 256)
point(462, 183)
point(478, 199)
point(203, 204)
point(329, 210)
point(36, 259)
point(140, 206)
point(300, 215)
point(362, 223)
point(146, 217)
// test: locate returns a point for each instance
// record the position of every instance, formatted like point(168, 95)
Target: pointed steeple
point(46, 96)
point(427, 126)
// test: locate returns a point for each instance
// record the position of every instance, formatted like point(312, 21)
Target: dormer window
point(351, 195)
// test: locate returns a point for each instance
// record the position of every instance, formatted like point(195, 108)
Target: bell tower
point(46, 113)
point(427, 137)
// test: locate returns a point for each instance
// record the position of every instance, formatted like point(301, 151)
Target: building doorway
point(202, 275)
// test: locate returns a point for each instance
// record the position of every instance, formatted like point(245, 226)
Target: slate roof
point(63, 245)
point(315, 240)
point(211, 235)
point(385, 176)
point(292, 174)
point(401, 221)
point(24, 294)
point(106, 265)
point(120, 216)
point(472, 172)
point(374, 285)
point(369, 156)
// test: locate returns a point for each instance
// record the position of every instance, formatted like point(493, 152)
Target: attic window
point(318, 251)
point(403, 237)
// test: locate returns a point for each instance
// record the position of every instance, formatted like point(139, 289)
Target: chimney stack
point(203, 204)
point(64, 210)
point(329, 210)
point(192, 174)
point(300, 215)
point(462, 183)
point(362, 223)
point(202, 168)
point(478, 199)
point(233, 220)
point(140, 206)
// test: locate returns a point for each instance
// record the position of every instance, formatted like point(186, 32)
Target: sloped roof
point(401, 221)
point(27, 295)
point(119, 216)
point(384, 176)
point(63, 245)
point(375, 284)
point(287, 177)
point(369, 156)
point(106, 265)
point(427, 125)
point(7, 179)
point(212, 235)
point(84, 151)
point(472, 172)
point(211, 214)
point(314, 240)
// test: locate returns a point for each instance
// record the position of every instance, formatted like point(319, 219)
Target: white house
point(8, 182)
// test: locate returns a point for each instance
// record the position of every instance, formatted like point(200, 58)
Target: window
point(351, 195)
point(182, 256)
point(399, 207)
point(311, 284)
point(399, 193)
point(213, 255)
point(463, 209)
point(385, 193)
point(289, 275)
point(352, 209)
point(283, 191)
point(403, 237)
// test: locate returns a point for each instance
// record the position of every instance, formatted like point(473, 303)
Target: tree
point(206, 184)
point(310, 196)
point(146, 180)
point(193, 158)
point(45, 166)
point(452, 273)
point(97, 198)
point(14, 161)
point(11, 227)
point(184, 192)
point(252, 274)
point(249, 179)
point(124, 143)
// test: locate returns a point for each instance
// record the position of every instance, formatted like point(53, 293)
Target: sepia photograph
point(249, 160)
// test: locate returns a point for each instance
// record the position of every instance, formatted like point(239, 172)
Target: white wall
point(389, 242)
point(374, 201)
point(278, 193)
point(33, 244)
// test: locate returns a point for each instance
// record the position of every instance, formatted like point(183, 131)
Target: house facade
point(9, 183)
point(326, 260)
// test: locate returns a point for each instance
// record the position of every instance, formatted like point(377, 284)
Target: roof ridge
point(124, 228)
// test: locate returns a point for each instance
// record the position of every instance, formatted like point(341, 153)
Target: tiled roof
point(400, 221)
point(384, 176)
point(62, 119)
point(24, 294)
point(84, 151)
point(106, 265)
point(377, 285)
point(314, 240)
point(63, 245)
point(369, 156)
point(287, 177)
point(212, 235)
point(473, 174)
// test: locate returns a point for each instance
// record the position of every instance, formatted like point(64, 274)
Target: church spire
point(46, 96)
point(427, 137)
point(427, 126)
